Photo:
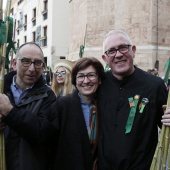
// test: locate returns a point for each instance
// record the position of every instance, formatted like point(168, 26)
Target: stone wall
point(147, 22)
point(78, 21)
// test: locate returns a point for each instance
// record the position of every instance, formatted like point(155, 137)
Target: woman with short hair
point(78, 118)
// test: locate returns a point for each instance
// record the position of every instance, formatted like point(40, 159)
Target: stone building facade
point(147, 22)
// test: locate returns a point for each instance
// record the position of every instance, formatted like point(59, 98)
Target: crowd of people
point(87, 119)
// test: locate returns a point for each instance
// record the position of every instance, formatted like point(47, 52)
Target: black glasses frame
point(118, 49)
point(80, 77)
point(37, 63)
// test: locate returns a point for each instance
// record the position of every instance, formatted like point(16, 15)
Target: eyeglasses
point(122, 49)
point(60, 73)
point(91, 76)
point(26, 62)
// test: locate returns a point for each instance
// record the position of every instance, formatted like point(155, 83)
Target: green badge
point(145, 101)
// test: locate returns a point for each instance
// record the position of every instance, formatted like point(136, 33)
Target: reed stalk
point(161, 155)
point(168, 163)
point(166, 146)
point(2, 73)
point(2, 146)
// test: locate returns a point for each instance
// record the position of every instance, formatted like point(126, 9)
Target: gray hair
point(115, 32)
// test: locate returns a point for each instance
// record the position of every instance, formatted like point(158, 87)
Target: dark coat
point(73, 151)
point(31, 128)
point(134, 150)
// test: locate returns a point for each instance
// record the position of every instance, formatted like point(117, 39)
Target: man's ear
point(134, 49)
point(104, 58)
point(14, 64)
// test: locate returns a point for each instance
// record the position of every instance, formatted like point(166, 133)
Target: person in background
point(48, 76)
point(130, 108)
point(78, 115)
point(61, 82)
point(153, 71)
point(26, 112)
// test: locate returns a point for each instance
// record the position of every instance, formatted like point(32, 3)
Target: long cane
point(160, 159)
point(2, 145)
point(2, 73)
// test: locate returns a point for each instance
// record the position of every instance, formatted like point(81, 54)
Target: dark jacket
point(134, 150)
point(31, 128)
point(73, 150)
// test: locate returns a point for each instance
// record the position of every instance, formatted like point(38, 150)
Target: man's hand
point(166, 117)
point(5, 105)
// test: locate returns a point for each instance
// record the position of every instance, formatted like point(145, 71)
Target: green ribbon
point(132, 113)
point(10, 28)
point(2, 36)
point(81, 51)
point(167, 66)
point(2, 32)
point(11, 44)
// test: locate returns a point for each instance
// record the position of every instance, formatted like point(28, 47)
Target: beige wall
point(78, 21)
point(13, 2)
point(146, 22)
point(60, 26)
